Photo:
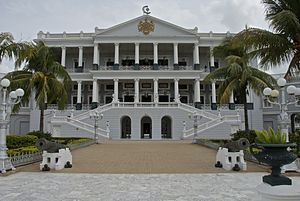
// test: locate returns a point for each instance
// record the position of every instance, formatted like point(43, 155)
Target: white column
point(231, 100)
point(136, 90)
point(137, 53)
point(63, 56)
point(176, 90)
point(196, 50)
point(175, 45)
point(116, 53)
point(155, 86)
point(116, 90)
point(95, 91)
point(212, 58)
point(197, 91)
point(213, 92)
point(96, 54)
point(78, 91)
point(155, 53)
point(80, 56)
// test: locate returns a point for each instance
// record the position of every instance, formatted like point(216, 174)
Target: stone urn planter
point(275, 155)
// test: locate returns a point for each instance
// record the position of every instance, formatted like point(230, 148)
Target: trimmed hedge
point(17, 141)
point(22, 150)
point(242, 134)
point(40, 135)
point(70, 140)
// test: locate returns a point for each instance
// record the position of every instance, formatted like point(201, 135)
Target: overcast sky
point(25, 18)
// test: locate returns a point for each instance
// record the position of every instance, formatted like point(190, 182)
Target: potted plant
point(274, 153)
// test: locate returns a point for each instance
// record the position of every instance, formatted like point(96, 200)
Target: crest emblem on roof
point(146, 27)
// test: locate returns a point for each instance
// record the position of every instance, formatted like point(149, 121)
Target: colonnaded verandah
point(143, 78)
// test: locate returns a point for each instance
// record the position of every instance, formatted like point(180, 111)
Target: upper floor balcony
point(138, 67)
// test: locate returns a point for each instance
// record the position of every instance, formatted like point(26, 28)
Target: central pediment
point(146, 26)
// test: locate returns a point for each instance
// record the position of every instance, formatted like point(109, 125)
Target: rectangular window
point(163, 85)
point(128, 85)
point(146, 86)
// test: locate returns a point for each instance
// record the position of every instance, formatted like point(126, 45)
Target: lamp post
point(13, 98)
point(282, 103)
point(96, 117)
point(195, 117)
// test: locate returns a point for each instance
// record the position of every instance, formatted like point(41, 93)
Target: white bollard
point(230, 159)
point(58, 160)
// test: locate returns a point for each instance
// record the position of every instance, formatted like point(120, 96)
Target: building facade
point(143, 79)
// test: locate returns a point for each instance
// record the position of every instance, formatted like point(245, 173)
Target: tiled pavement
point(130, 173)
point(144, 157)
point(33, 186)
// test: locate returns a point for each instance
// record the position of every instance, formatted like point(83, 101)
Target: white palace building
point(141, 79)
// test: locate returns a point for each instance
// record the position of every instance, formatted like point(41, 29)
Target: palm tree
point(283, 44)
point(9, 48)
point(43, 75)
point(237, 76)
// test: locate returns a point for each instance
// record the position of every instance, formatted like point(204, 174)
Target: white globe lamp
point(5, 82)
point(281, 82)
point(20, 92)
point(267, 91)
point(291, 89)
point(275, 93)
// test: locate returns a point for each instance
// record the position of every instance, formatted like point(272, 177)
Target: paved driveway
point(144, 157)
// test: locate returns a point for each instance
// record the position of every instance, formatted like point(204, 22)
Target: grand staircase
point(213, 120)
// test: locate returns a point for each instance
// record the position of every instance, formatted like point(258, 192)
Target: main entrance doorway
point(146, 127)
point(126, 127)
point(166, 127)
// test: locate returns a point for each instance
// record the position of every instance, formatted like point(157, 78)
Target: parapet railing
point(25, 158)
point(131, 68)
point(212, 123)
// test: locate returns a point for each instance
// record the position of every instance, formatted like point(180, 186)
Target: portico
point(145, 89)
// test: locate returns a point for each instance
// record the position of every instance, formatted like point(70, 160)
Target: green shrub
point(70, 140)
point(17, 141)
point(22, 150)
point(270, 137)
point(242, 134)
point(294, 137)
point(78, 141)
point(40, 135)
